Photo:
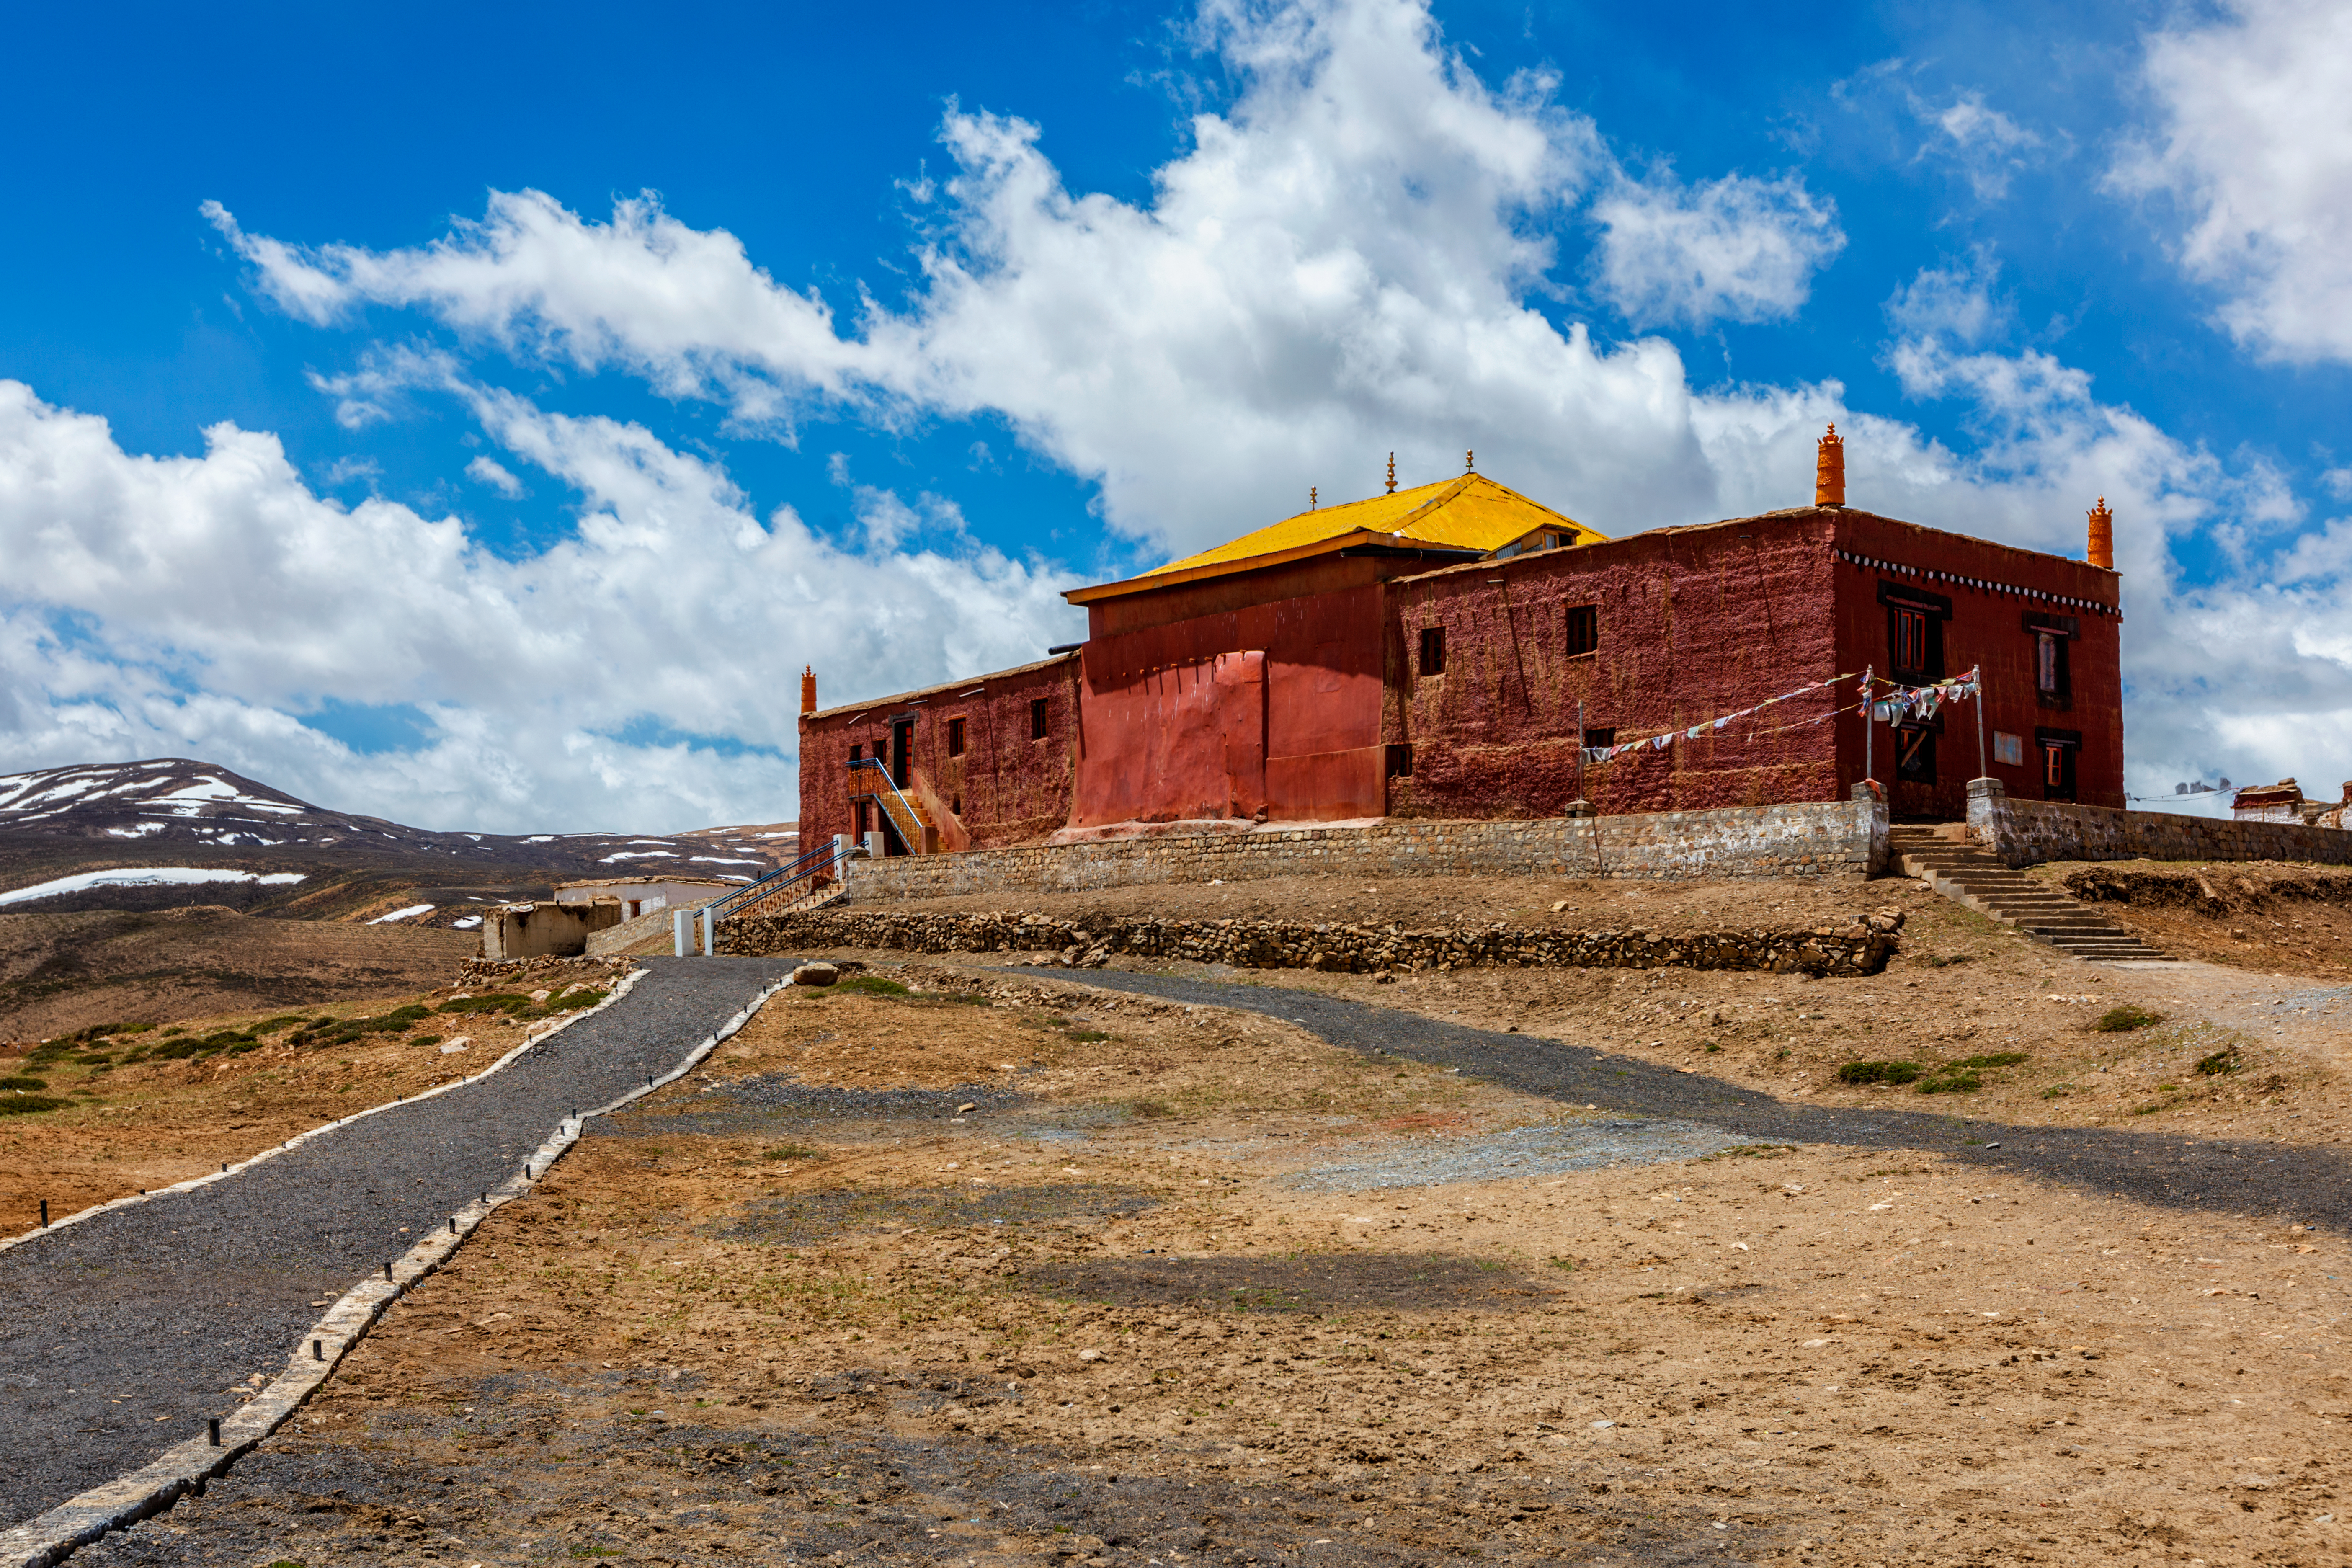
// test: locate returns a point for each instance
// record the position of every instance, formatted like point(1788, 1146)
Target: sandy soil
point(1044, 1274)
point(64, 973)
point(136, 1125)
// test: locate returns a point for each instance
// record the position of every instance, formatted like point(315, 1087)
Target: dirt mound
point(2264, 913)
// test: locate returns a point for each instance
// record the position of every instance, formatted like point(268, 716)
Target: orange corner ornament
point(2102, 542)
point(1829, 470)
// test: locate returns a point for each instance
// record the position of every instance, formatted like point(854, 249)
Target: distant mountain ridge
point(146, 809)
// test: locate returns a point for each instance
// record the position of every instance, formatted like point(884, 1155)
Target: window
point(1432, 650)
point(1039, 715)
point(1583, 630)
point(855, 753)
point(1399, 761)
point(2059, 749)
point(1915, 756)
point(1595, 739)
point(955, 737)
point(955, 805)
point(1910, 641)
point(2008, 749)
point(2053, 678)
point(1915, 633)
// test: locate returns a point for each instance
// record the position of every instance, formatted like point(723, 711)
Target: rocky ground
point(1026, 1269)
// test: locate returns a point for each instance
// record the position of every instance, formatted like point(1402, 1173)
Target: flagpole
point(1976, 676)
point(1869, 766)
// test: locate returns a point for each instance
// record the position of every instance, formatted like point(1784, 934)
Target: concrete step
point(1970, 876)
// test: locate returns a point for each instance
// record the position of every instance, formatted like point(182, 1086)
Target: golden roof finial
point(1829, 470)
point(1310, 498)
point(2100, 551)
point(1392, 473)
point(1470, 462)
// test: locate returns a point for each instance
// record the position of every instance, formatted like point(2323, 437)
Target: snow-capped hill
point(175, 801)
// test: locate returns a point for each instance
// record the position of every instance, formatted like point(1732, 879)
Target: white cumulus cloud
point(2252, 147)
point(192, 606)
point(494, 474)
point(1734, 248)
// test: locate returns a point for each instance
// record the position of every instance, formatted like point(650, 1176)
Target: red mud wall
point(1991, 590)
point(1229, 698)
point(1005, 788)
point(1693, 623)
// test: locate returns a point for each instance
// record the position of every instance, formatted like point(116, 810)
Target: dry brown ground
point(1811, 1355)
point(2245, 920)
point(63, 973)
point(148, 1124)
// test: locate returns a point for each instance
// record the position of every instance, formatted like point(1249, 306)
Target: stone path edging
point(622, 988)
point(48, 1538)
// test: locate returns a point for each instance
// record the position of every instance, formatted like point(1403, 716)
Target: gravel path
point(120, 1335)
point(2300, 1183)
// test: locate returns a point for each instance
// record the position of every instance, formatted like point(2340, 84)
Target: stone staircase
point(1968, 875)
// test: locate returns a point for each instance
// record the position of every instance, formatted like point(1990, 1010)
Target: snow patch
point(140, 877)
point(142, 831)
point(465, 922)
point(410, 913)
point(639, 855)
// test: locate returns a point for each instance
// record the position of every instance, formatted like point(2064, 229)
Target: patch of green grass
point(30, 1104)
point(2122, 1019)
point(2057, 1090)
point(870, 986)
point(495, 1002)
point(1086, 1036)
point(1948, 1081)
point(2225, 1061)
point(271, 1026)
point(24, 1085)
point(1879, 1072)
point(1994, 1060)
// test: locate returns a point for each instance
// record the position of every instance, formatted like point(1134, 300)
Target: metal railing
point(808, 866)
point(906, 819)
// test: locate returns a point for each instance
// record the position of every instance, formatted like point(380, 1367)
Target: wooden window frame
point(1432, 651)
point(1583, 631)
point(955, 736)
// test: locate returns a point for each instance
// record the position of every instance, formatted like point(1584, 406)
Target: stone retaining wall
point(1829, 838)
point(2027, 832)
point(1859, 949)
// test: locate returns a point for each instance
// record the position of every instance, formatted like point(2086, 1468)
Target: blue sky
point(571, 379)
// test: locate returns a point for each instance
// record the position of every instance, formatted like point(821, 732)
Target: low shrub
point(24, 1085)
point(2122, 1019)
point(30, 1104)
point(1950, 1082)
point(1879, 1072)
point(1996, 1059)
point(2225, 1061)
point(496, 1002)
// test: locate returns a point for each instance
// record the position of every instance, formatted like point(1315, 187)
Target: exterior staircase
point(789, 901)
point(870, 780)
point(1968, 875)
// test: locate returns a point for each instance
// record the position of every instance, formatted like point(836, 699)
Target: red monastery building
point(1458, 650)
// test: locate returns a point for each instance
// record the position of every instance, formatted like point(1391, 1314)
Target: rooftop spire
point(2102, 542)
point(1392, 473)
point(1829, 470)
point(1470, 462)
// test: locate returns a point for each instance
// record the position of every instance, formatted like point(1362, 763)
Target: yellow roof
point(1472, 512)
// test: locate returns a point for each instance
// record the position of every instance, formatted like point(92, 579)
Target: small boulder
point(816, 975)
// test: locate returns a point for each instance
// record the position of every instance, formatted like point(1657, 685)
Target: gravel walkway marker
point(104, 1291)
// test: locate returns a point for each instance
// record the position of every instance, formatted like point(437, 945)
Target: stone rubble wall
point(2028, 832)
point(1829, 838)
point(1861, 948)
